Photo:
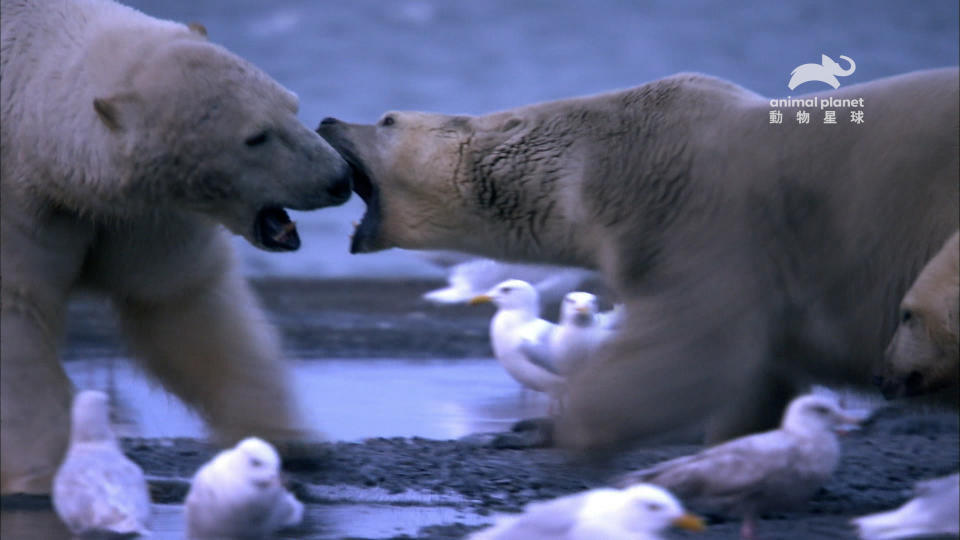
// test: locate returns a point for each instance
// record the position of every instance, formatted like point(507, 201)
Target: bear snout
point(896, 387)
point(339, 190)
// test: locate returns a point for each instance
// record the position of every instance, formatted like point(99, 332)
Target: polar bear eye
point(388, 120)
point(256, 140)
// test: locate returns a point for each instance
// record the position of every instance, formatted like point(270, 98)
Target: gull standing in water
point(238, 494)
point(516, 325)
point(97, 490)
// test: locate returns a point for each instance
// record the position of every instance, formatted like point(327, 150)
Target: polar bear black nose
point(329, 120)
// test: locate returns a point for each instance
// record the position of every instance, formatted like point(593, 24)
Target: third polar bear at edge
point(754, 258)
point(923, 356)
point(128, 142)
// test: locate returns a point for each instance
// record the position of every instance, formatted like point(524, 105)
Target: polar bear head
point(194, 125)
point(470, 183)
point(408, 170)
point(923, 355)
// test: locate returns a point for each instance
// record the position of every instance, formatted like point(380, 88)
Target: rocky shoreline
point(482, 474)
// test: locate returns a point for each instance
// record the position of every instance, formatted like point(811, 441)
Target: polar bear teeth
point(275, 230)
point(282, 233)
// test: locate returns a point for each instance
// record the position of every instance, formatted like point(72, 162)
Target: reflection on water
point(329, 521)
point(345, 399)
point(320, 522)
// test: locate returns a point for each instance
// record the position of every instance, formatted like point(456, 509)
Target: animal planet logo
point(826, 72)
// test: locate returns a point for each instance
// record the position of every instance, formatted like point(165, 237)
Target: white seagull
point(639, 512)
point(468, 277)
point(97, 490)
point(934, 510)
point(613, 319)
point(238, 494)
point(579, 333)
point(774, 470)
point(513, 328)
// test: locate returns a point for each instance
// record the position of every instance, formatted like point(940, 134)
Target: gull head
point(90, 418)
point(578, 309)
point(640, 508)
point(511, 294)
point(816, 414)
point(257, 461)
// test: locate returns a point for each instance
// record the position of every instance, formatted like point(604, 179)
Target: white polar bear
point(126, 142)
point(752, 258)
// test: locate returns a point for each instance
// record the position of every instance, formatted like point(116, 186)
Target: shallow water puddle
point(323, 522)
point(320, 522)
point(345, 400)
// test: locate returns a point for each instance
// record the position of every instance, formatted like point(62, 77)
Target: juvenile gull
point(639, 512)
point(774, 470)
point(934, 510)
point(515, 326)
point(97, 490)
point(238, 494)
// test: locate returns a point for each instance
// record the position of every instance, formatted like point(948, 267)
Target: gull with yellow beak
point(515, 326)
point(579, 333)
point(639, 512)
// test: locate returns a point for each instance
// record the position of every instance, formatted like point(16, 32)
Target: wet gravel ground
point(879, 466)
point(364, 319)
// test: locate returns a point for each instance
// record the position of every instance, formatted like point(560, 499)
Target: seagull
point(579, 333)
point(515, 326)
point(97, 490)
point(613, 319)
point(468, 277)
point(934, 510)
point(774, 470)
point(635, 513)
point(238, 494)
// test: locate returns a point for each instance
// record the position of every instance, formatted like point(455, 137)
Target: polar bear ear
point(511, 123)
point(114, 110)
point(197, 28)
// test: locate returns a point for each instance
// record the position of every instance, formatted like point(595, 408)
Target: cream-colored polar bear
point(923, 356)
point(127, 142)
point(755, 257)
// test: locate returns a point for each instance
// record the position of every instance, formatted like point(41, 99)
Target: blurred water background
point(355, 60)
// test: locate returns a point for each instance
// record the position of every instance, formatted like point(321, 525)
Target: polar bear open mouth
point(274, 229)
point(366, 231)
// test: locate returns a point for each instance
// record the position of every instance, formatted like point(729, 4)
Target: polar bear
point(754, 257)
point(923, 356)
point(128, 143)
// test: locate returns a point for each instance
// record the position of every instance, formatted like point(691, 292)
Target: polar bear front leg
point(42, 253)
point(35, 394)
point(212, 346)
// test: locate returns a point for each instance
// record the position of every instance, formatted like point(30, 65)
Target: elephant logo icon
point(826, 72)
